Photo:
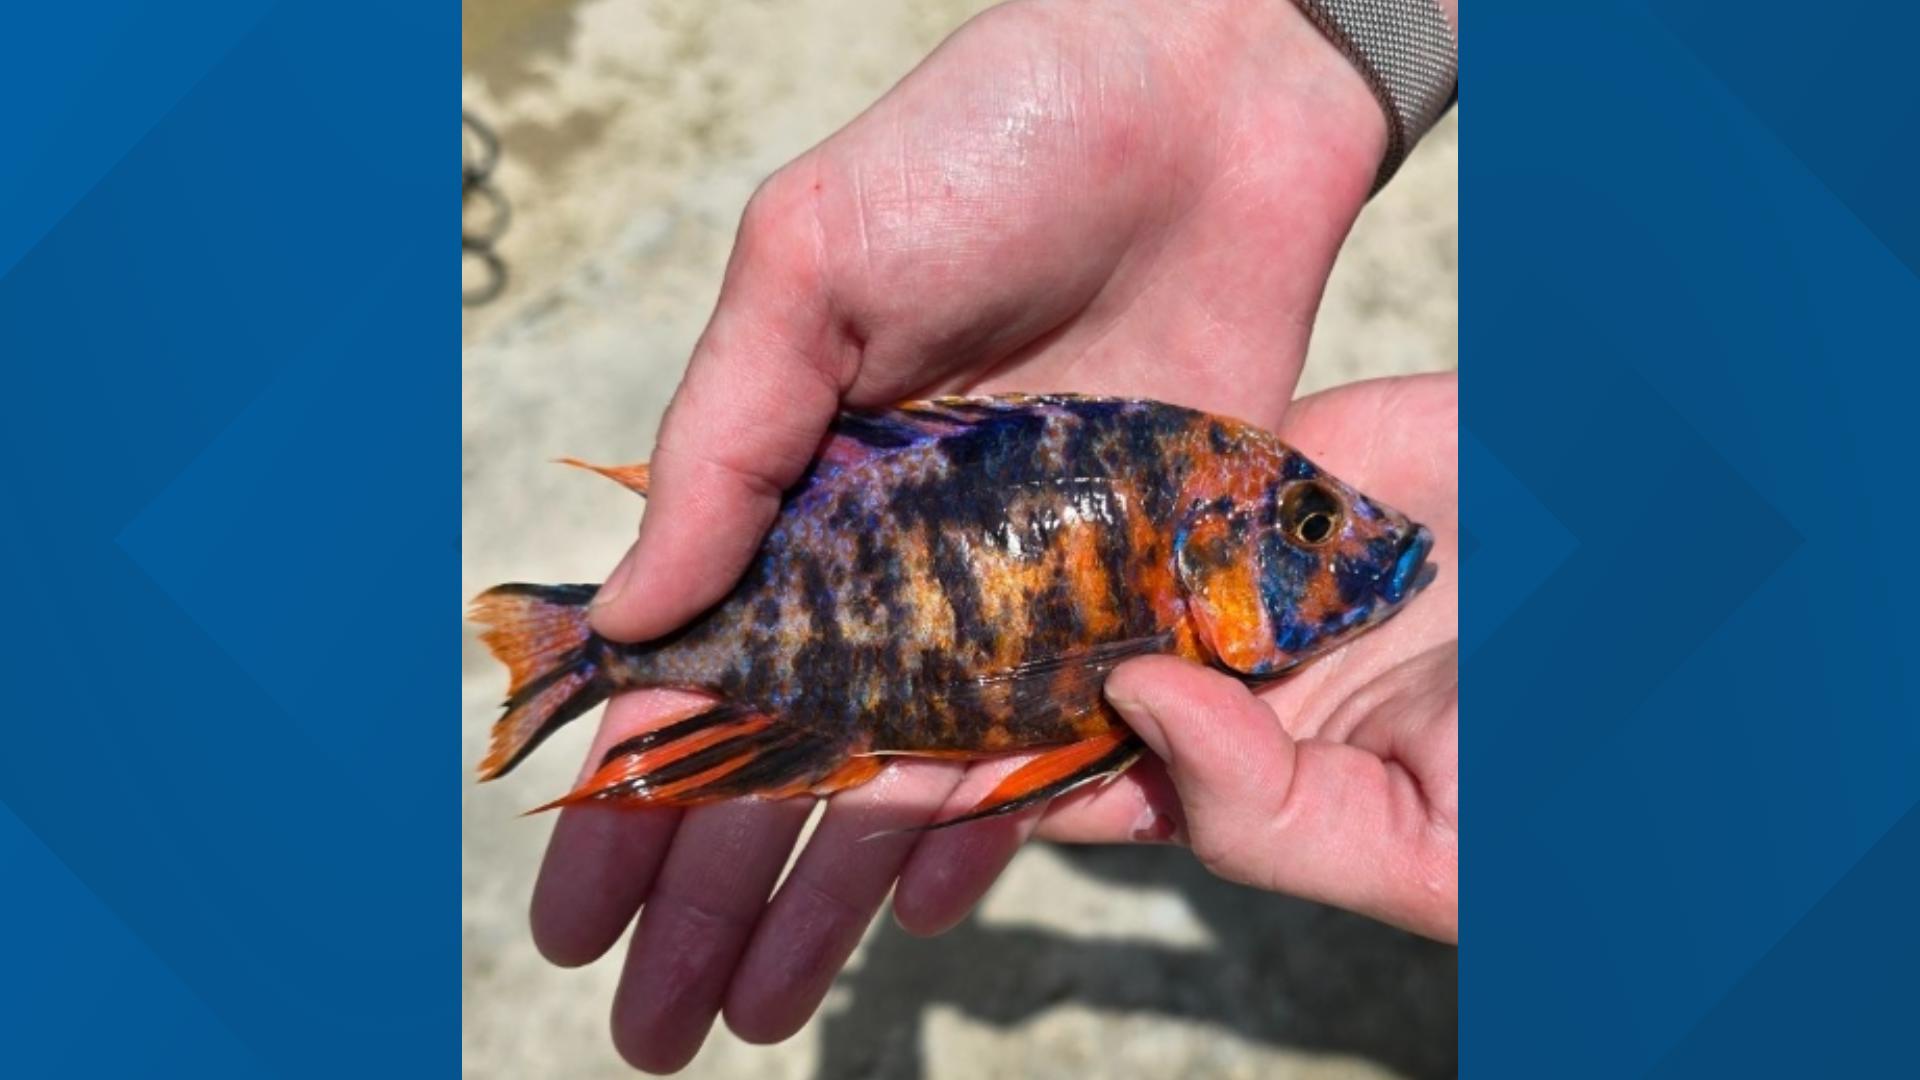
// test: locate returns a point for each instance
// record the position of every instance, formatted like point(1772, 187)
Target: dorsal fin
point(860, 435)
point(634, 478)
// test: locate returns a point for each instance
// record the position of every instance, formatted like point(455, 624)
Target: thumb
point(763, 386)
point(1316, 819)
point(1224, 749)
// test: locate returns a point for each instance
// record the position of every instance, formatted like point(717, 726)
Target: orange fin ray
point(726, 752)
point(1050, 776)
point(634, 478)
point(857, 770)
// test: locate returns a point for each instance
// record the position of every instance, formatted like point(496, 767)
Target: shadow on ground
point(1284, 972)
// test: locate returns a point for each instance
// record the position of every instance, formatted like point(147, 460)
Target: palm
point(1059, 200)
point(1051, 202)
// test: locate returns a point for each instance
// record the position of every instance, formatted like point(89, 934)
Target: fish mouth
point(1411, 572)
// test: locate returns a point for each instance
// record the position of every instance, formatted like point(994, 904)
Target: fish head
point(1280, 562)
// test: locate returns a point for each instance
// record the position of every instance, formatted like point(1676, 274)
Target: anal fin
point(1052, 775)
point(725, 752)
point(857, 771)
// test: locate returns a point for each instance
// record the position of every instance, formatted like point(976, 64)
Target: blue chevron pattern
point(1692, 759)
point(1525, 551)
point(229, 472)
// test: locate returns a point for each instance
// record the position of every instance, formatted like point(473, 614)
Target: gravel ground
point(632, 134)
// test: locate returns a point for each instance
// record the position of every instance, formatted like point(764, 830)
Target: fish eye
point(1310, 514)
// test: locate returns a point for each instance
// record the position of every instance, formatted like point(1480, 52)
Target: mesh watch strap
point(1406, 51)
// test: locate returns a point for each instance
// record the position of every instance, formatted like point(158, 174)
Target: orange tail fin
point(555, 664)
point(634, 478)
point(727, 752)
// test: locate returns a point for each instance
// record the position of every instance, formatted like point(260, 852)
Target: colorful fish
point(955, 578)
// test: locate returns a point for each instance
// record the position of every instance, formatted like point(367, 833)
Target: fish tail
point(557, 665)
point(726, 752)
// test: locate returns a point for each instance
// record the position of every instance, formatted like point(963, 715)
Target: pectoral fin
point(1052, 775)
point(1063, 687)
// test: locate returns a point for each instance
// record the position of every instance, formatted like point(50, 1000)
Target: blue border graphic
point(228, 331)
point(1691, 761)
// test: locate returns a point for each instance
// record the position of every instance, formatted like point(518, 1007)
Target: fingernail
point(1153, 827)
point(616, 581)
point(1137, 715)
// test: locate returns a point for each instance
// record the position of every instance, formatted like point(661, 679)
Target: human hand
point(1146, 196)
point(1106, 198)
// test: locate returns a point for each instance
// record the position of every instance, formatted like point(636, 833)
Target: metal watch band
point(1406, 51)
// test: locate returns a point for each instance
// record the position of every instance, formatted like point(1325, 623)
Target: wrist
point(1404, 51)
point(1408, 53)
point(1288, 78)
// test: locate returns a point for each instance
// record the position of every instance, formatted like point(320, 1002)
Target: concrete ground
point(632, 133)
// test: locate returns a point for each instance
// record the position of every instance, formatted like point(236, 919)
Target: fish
point(954, 578)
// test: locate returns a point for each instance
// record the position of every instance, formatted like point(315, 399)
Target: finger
point(1356, 832)
point(826, 903)
point(949, 872)
point(764, 383)
point(1322, 820)
point(601, 861)
point(599, 865)
point(951, 869)
point(1224, 750)
point(695, 924)
point(1139, 806)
